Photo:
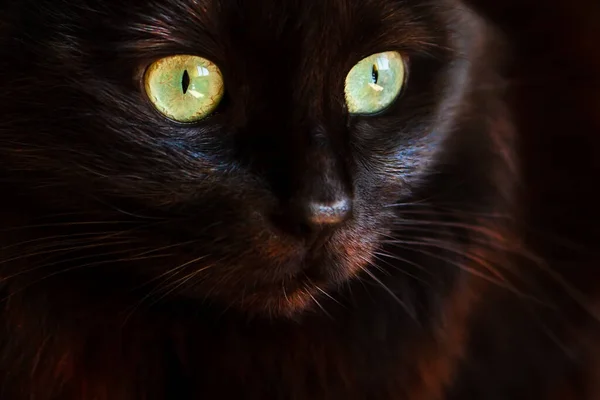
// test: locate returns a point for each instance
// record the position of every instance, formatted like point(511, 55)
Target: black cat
point(262, 199)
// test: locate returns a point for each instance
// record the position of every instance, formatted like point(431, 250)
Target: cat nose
point(321, 195)
point(319, 209)
point(328, 214)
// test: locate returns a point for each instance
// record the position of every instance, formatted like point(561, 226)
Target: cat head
point(281, 186)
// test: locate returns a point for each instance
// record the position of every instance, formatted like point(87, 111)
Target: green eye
point(184, 88)
point(374, 83)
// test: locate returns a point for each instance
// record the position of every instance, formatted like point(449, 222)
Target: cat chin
point(281, 277)
point(293, 297)
point(306, 292)
point(279, 304)
point(285, 298)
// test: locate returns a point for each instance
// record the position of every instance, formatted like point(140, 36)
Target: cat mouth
point(303, 290)
point(283, 277)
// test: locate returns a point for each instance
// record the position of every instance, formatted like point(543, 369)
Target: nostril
point(313, 219)
point(327, 214)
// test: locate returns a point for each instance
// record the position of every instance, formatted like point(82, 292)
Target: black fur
point(145, 259)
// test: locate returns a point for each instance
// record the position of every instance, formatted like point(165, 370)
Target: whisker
point(397, 268)
point(427, 209)
point(487, 232)
point(179, 283)
point(104, 262)
point(318, 303)
point(328, 295)
point(93, 234)
point(442, 245)
point(64, 224)
point(62, 250)
point(171, 246)
point(500, 244)
point(47, 265)
point(77, 267)
point(500, 283)
point(127, 213)
point(384, 253)
point(171, 273)
point(408, 310)
point(447, 212)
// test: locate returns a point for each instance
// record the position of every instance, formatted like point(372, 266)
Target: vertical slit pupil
point(375, 74)
point(185, 81)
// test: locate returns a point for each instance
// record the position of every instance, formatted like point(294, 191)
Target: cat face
point(282, 190)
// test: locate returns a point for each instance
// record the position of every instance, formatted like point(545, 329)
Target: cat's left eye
point(184, 88)
point(375, 83)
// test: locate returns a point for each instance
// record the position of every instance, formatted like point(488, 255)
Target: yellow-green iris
point(374, 83)
point(184, 88)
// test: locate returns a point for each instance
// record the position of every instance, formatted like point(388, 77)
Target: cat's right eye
point(184, 88)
